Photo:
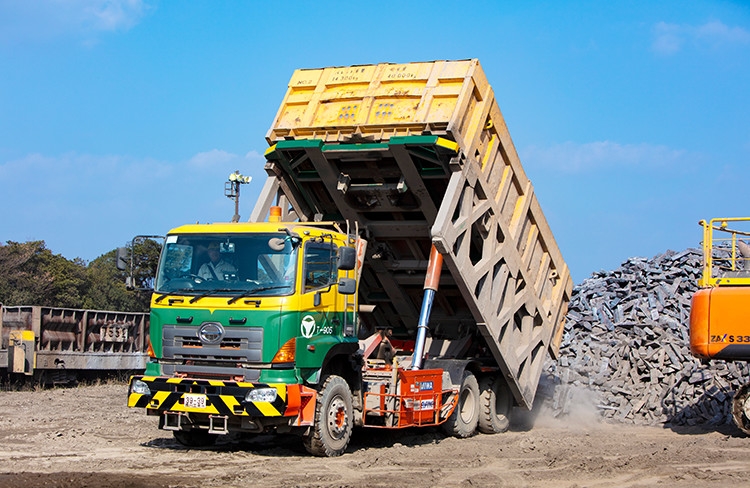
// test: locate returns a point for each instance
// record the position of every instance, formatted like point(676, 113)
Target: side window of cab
point(320, 265)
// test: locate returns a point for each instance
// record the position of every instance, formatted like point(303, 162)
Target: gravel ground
point(86, 437)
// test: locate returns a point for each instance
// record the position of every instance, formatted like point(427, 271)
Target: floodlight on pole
point(232, 190)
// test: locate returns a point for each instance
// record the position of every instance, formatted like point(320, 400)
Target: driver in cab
point(216, 268)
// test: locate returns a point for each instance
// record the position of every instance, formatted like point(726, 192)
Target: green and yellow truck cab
point(236, 335)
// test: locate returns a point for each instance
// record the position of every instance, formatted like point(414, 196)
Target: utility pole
point(232, 190)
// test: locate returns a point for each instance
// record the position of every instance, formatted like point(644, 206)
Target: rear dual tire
point(484, 405)
point(465, 417)
point(496, 402)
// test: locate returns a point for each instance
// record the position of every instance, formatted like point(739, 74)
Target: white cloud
point(109, 15)
point(668, 39)
point(671, 38)
point(570, 157)
point(254, 155)
point(86, 172)
point(45, 20)
point(716, 32)
point(208, 159)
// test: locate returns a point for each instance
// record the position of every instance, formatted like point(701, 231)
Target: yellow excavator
point(720, 310)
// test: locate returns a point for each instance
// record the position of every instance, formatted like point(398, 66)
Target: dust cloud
point(560, 406)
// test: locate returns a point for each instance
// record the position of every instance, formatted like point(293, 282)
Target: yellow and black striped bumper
point(221, 397)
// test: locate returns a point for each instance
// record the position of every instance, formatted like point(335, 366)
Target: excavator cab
point(719, 314)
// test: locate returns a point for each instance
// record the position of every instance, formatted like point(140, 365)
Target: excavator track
point(741, 408)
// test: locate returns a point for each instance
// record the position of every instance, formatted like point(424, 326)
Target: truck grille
point(239, 345)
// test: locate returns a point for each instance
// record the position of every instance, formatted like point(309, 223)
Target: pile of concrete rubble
point(626, 345)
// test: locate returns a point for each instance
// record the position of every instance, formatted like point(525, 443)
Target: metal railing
point(726, 252)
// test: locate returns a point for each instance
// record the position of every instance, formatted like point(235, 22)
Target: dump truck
point(719, 312)
point(396, 271)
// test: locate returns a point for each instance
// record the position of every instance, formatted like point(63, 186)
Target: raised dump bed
point(417, 155)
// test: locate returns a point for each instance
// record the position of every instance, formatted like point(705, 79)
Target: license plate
point(193, 400)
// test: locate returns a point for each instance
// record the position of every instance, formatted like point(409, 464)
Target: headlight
point(261, 395)
point(140, 387)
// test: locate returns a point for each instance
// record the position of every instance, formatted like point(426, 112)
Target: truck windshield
point(228, 265)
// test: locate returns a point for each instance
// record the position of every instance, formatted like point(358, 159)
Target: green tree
point(30, 274)
point(107, 289)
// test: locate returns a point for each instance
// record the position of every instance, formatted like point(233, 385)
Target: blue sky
point(124, 117)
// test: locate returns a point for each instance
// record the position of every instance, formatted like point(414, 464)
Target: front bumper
point(224, 398)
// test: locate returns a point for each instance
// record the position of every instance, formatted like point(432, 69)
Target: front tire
point(465, 417)
point(334, 417)
point(496, 402)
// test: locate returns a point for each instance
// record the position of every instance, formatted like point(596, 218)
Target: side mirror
point(347, 286)
point(122, 258)
point(140, 259)
point(347, 258)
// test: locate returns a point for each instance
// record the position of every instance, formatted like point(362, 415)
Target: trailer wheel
point(740, 408)
point(195, 438)
point(496, 403)
point(465, 417)
point(334, 417)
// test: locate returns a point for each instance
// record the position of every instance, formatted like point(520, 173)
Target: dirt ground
point(86, 437)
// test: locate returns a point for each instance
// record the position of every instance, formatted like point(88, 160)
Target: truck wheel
point(741, 407)
point(465, 417)
point(195, 438)
point(334, 417)
point(496, 403)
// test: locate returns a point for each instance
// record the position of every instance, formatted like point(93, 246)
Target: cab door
point(319, 294)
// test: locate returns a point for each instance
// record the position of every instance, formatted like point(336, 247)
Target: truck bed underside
point(504, 291)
